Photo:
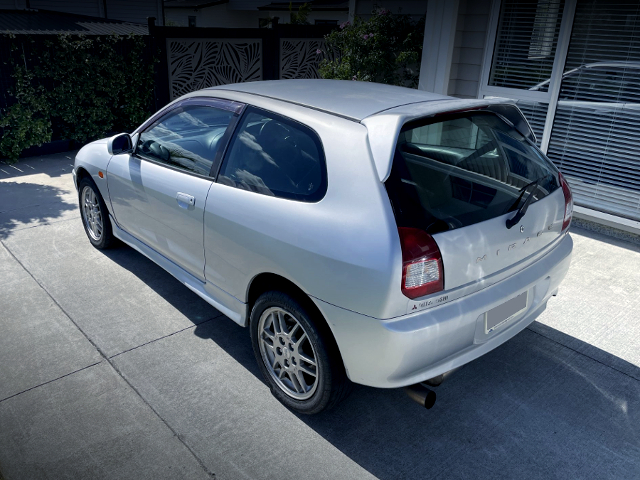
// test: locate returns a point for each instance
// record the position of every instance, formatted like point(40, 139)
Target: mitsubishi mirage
point(363, 233)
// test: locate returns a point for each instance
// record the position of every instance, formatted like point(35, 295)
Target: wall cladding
point(201, 63)
point(468, 48)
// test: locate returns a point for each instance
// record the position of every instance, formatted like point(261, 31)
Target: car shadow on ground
point(164, 284)
point(531, 408)
point(24, 203)
point(543, 404)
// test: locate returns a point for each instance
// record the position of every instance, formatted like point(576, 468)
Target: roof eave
point(199, 5)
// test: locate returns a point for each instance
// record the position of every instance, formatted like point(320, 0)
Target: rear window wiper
point(523, 208)
point(522, 190)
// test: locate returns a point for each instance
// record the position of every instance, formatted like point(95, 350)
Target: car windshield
point(462, 170)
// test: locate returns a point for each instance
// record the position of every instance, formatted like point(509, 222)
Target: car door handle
point(185, 199)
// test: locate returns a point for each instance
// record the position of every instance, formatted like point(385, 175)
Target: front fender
point(94, 159)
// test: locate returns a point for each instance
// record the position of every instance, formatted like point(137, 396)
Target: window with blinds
point(526, 43)
point(536, 114)
point(595, 140)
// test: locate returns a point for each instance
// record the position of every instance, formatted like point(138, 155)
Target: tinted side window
point(187, 137)
point(275, 156)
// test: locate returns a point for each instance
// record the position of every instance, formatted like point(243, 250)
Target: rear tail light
point(422, 271)
point(568, 203)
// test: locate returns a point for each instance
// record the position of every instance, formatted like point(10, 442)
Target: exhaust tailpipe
point(421, 394)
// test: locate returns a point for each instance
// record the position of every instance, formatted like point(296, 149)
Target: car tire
point(299, 361)
point(94, 214)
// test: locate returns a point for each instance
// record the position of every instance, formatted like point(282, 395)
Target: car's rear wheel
point(298, 362)
point(95, 217)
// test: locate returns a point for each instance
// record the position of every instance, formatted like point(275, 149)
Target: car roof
point(349, 99)
point(382, 109)
point(619, 63)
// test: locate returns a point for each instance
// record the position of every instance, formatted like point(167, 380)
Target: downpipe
point(436, 381)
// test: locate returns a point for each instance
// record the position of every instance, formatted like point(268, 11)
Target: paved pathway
point(110, 368)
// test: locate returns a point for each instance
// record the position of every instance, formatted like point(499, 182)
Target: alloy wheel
point(288, 353)
point(92, 213)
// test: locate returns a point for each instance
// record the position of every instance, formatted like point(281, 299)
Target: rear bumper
point(413, 348)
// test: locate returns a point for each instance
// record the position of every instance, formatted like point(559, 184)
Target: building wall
point(408, 7)
point(135, 11)
point(340, 16)
point(229, 17)
point(246, 4)
point(177, 17)
point(468, 48)
point(218, 16)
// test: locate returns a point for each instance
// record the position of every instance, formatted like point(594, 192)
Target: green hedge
point(385, 48)
point(75, 88)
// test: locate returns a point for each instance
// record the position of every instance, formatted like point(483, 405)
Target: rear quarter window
point(464, 169)
point(276, 156)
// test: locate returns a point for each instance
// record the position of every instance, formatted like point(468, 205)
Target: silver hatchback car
point(364, 233)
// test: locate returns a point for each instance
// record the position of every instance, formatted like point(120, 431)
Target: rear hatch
point(462, 178)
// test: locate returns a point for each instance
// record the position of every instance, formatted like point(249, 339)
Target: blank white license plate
point(503, 313)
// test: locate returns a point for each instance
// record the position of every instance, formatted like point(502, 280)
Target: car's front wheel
point(95, 217)
point(298, 361)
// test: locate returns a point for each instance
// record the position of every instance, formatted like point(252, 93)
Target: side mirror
point(120, 143)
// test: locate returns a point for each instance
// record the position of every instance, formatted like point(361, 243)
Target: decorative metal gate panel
point(196, 58)
point(196, 63)
point(300, 57)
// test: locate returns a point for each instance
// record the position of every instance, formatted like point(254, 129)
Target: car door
point(158, 193)
point(273, 169)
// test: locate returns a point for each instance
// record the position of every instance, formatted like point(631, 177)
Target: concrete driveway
point(110, 368)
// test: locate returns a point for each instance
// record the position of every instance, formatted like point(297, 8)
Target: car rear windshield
point(464, 169)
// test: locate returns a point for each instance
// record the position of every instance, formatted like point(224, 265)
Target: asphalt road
point(110, 368)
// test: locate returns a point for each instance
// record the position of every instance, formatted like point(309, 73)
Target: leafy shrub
point(75, 88)
point(385, 49)
point(24, 123)
point(300, 17)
